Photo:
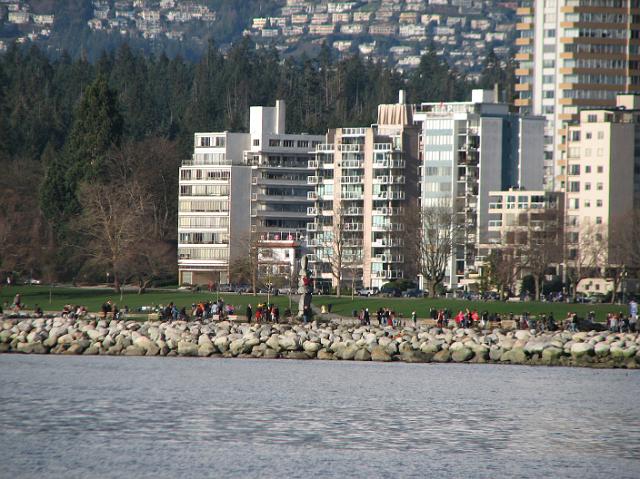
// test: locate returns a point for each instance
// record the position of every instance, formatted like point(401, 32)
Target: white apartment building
point(602, 176)
point(574, 54)
point(469, 149)
point(242, 189)
point(365, 180)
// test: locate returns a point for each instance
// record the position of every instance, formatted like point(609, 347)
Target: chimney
point(280, 117)
point(402, 97)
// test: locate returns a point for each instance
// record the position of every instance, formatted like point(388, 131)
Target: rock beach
point(93, 336)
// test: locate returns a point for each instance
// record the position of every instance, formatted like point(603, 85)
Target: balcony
point(351, 179)
point(382, 146)
point(313, 164)
point(354, 131)
point(348, 195)
point(312, 196)
point(389, 180)
point(388, 211)
point(352, 211)
point(353, 164)
point(391, 274)
point(388, 243)
point(389, 195)
point(388, 227)
point(325, 147)
point(389, 258)
point(353, 227)
point(313, 180)
point(312, 211)
point(311, 227)
point(384, 164)
point(349, 148)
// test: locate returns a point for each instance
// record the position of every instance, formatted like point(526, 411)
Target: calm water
point(158, 417)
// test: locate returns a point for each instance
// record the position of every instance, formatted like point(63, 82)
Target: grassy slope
point(93, 298)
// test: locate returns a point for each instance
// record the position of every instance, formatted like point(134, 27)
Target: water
point(158, 417)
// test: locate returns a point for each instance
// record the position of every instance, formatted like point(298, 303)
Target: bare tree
point(108, 229)
point(503, 267)
point(437, 236)
point(540, 246)
point(337, 246)
point(623, 255)
point(585, 254)
point(247, 266)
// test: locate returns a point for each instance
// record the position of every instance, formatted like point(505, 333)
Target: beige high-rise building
point(574, 54)
point(601, 179)
point(365, 180)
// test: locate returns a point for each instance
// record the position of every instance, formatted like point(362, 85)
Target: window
point(599, 203)
point(587, 169)
point(256, 142)
point(600, 169)
point(288, 143)
point(273, 142)
point(592, 119)
point(303, 144)
point(574, 169)
point(588, 135)
point(601, 135)
point(220, 141)
point(587, 203)
point(574, 186)
point(598, 220)
point(599, 186)
point(205, 141)
point(587, 186)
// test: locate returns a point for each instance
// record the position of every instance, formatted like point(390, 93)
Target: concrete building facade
point(574, 54)
point(468, 150)
point(240, 189)
point(365, 181)
point(602, 175)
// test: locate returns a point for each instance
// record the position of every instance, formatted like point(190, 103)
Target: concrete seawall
point(314, 341)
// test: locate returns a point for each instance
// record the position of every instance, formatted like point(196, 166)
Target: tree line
point(80, 137)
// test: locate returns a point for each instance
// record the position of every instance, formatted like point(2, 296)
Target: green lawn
point(92, 298)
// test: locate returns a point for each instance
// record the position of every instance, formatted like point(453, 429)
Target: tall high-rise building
point(365, 180)
point(574, 54)
point(469, 149)
point(241, 191)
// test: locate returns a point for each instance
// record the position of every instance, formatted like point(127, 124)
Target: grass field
point(92, 298)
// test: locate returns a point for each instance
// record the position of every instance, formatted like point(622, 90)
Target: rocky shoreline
point(317, 341)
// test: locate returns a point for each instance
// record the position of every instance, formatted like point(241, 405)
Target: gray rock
point(582, 349)
point(443, 356)
point(379, 353)
point(461, 355)
point(133, 351)
point(186, 348)
point(362, 355)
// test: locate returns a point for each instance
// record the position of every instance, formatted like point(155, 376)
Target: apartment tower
point(574, 54)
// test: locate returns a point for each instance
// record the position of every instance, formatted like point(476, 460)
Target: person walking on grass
point(249, 313)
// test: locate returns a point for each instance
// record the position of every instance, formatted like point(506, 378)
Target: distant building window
point(587, 203)
point(600, 169)
point(205, 141)
point(587, 169)
point(288, 143)
point(574, 186)
point(599, 186)
point(588, 135)
point(303, 144)
point(598, 220)
point(599, 203)
point(256, 142)
point(592, 119)
point(273, 142)
point(587, 186)
point(220, 141)
point(601, 135)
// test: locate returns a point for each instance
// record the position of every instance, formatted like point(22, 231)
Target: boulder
point(601, 349)
point(379, 353)
point(289, 342)
point(551, 355)
point(443, 356)
point(324, 354)
point(270, 354)
point(221, 343)
point(582, 349)
point(185, 348)
point(462, 354)
point(310, 347)
point(430, 348)
point(362, 355)
point(416, 357)
point(495, 353)
point(236, 347)
point(133, 351)
point(206, 349)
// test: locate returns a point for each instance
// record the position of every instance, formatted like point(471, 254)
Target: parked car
point(413, 293)
point(367, 292)
point(390, 292)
